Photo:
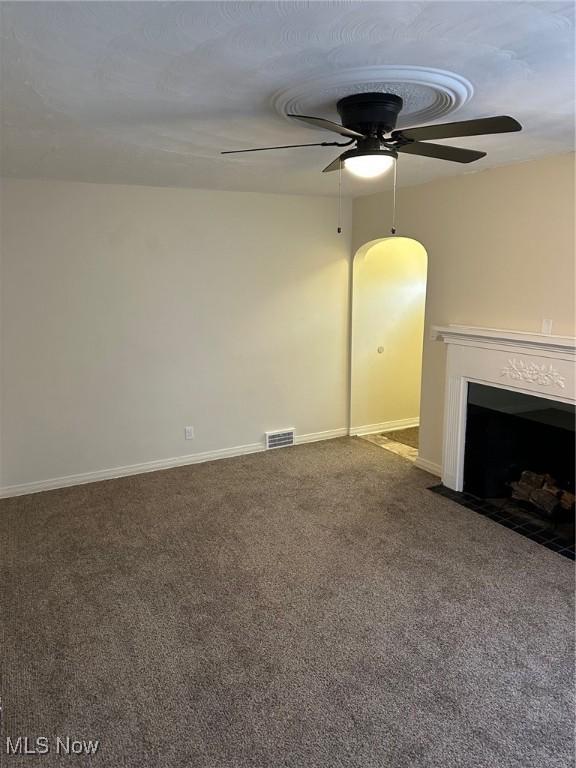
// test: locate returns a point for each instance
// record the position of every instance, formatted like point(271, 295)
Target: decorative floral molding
point(545, 375)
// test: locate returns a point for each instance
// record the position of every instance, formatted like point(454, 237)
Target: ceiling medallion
point(428, 93)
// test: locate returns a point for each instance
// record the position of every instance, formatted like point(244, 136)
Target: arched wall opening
point(388, 306)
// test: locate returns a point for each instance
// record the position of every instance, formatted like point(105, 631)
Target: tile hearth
point(541, 531)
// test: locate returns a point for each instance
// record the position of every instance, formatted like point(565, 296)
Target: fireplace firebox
point(509, 432)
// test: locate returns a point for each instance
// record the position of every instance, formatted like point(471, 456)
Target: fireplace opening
point(520, 458)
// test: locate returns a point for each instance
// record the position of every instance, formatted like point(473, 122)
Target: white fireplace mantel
point(532, 363)
point(467, 334)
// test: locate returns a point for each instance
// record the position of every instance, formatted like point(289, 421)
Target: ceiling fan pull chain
point(393, 230)
point(340, 197)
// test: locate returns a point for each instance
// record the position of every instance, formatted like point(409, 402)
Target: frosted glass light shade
point(368, 166)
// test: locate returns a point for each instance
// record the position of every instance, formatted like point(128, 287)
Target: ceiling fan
point(368, 121)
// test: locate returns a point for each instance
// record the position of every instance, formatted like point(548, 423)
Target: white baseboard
point(329, 434)
point(8, 491)
point(385, 426)
point(428, 466)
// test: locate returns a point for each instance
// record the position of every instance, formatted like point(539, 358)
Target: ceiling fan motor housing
point(372, 114)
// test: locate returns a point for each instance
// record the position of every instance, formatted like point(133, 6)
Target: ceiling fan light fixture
point(369, 166)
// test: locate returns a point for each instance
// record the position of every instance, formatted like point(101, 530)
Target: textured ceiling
point(150, 92)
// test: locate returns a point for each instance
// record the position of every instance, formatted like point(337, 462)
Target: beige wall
point(130, 312)
point(388, 300)
point(500, 249)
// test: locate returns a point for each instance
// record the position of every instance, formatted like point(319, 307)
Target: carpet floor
point(312, 607)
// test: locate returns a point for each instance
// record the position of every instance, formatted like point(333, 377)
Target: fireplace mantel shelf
point(494, 337)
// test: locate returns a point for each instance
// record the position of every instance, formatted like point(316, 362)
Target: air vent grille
point(280, 439)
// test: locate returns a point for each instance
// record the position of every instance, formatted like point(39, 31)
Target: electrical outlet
point(547, 326)
point(189, 433)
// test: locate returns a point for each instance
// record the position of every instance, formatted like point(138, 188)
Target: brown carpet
point(405, 436)
point(312, 607)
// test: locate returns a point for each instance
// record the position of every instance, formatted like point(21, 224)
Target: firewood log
point(545, 500)
point(521, 491)
point(532, 479)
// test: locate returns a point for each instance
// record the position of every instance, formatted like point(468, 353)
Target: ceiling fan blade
point(479, 127)
point(284, 146)
point(328, 125)
point(442, 152)
point(334, 165)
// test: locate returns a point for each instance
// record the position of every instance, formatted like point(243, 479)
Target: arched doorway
point(388, 303)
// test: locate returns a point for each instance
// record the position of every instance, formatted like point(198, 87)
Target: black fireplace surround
point(508, 432)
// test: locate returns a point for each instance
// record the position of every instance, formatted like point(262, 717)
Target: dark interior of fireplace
point(520, 458)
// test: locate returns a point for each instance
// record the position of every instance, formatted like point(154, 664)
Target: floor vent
point(280, 439)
